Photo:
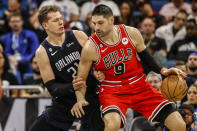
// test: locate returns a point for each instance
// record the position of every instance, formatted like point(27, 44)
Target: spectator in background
point(126, 14)
point(20, 44)
point(69, 8)
point(14, 6)
point(173, 31)
point(89, 6)
point(186, 112)
point(146, 10)
point(78, 25)
point(189, 80)
point(35, 79)
point(4, 6)
point(170, 9)
point(192, 65)
point(6, 76)
point(156, 46)
point(37, 28)
point(155, 80)
point(180, 65)
point(192, 95)
point(194, 10)
point(182, 48)
point(89, 24)
point(192, 100)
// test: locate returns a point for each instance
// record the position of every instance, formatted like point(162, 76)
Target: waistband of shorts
point(118, 83)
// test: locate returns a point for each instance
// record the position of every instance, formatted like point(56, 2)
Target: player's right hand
point(78, 83)
point(77, 109)
point(173, 70)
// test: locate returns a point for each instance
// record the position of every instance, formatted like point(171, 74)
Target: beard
point(36, 72)
point(193, 69)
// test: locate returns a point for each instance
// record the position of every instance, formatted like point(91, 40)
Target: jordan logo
point(104, 50)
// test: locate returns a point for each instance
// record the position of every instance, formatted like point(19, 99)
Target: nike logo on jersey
point(104, 50)
point(54, 53)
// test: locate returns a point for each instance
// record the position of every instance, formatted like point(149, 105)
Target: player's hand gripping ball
point(174, 88)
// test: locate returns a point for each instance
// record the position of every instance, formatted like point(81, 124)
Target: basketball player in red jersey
point(113, 50)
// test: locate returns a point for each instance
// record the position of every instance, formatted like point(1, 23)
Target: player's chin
point(60, 31)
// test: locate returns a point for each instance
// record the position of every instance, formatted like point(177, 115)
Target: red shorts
point(137, 94)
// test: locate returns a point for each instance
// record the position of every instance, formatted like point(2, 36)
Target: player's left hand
point(77, 109)
point(173, 70)
point(99, 75)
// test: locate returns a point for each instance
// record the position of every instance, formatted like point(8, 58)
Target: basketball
point(174, 88)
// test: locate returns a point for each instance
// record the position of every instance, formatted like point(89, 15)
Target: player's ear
point(44, 25)
point(111, 19)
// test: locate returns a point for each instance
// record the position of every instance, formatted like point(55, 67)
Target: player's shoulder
point(89, 46)
point(81, 37)
point(79, 33)
point(40, 51)
point(131, 29)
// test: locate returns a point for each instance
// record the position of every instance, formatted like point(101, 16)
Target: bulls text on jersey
point(117, 56)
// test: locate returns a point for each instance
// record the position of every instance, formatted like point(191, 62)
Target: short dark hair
point(192, 20)
point(15, 14)
point(187, 106)
point(43, 12)
point(103, 10)
point(182, 11)
point(179, 63)
point(131, 6)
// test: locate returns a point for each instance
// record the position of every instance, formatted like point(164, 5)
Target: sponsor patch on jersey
point(125, 41)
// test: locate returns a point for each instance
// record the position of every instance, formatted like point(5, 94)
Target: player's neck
point(56, 39)
point(112, 36)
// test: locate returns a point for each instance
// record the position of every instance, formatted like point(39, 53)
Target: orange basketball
point(174, 88)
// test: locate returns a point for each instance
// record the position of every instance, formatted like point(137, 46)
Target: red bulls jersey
point(118, 61)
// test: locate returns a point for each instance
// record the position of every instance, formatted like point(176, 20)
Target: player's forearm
point(80, 94)
point(146, 57)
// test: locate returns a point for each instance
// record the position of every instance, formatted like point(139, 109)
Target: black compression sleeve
point(147, 59)
point(59, 89)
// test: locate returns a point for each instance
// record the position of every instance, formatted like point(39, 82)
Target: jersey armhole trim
point(97, 51)
point(127, 34)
